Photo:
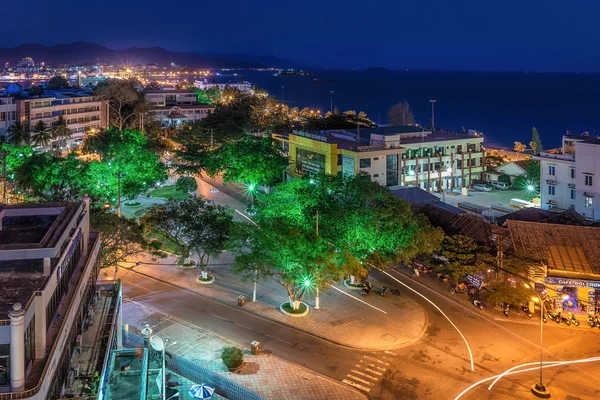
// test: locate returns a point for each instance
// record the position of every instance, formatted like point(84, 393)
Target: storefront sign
point(312, 136)
point(347, 166)
point(475, 280)
point(572, 282)
point(310, 161)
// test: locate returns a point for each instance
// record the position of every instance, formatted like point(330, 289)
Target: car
point(209, 202)
point(501, 185)
point(482, 188)
point(214, 190)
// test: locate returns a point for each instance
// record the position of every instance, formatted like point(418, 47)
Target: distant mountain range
point(87, 53)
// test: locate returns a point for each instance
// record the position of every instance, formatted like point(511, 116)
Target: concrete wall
point(587, 163)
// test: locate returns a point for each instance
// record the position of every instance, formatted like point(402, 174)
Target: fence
point(196, 373)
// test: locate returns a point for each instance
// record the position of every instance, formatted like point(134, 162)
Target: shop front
point(574, 294)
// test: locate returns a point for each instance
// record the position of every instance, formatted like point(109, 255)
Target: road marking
point(356, 298)
point(356, 385)
point(373, 378)
point(374, 366)
point(439, 309)
point(389, 352)
point(359, 380)
point(376, 360)
point(369, 369)
point(216, 316)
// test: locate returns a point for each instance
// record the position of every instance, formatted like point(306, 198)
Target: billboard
point(310, 161)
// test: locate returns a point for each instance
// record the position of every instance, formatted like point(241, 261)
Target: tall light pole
point(539, 389)
point(331, 106)
point(317, 305)
point(432, 113)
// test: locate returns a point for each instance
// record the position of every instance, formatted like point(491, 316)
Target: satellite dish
point(157, 343)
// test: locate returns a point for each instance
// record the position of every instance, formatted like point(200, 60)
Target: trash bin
point(255, 348)
point(241, 300)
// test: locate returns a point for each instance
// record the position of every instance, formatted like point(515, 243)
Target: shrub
point(186, 184)
point(232, 357)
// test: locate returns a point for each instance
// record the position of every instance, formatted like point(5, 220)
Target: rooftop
point(25, 229)
point(532, 214)
point(18, 280)
point(569, 251)
point(583, 138)
point(415, 195)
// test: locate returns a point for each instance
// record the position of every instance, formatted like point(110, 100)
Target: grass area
point(168, 192)
point(132, 203)
point(289, 309)
point(139, 213)
point(166, 244)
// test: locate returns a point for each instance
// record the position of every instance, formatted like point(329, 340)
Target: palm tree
point(42, 136)
point(61, 131)
point(17, 134)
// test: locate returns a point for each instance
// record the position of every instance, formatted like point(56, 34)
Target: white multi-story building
point(567, 179)
point(81, 110)
point(8, 116)
point(52, 305)
point(205, 84)
point(174, 106)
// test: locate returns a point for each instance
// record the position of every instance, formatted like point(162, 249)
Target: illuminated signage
point(572, 282)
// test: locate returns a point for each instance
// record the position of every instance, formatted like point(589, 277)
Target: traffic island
point(288, 310)
point(191, 264)
point(353, 286)
point(541, 391)
point(205, 281)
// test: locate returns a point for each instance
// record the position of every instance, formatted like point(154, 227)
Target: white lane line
point(356, 385)
point(439, 309)
point(375, 366)
point(376, 360)
point(389, 352)
point(357, 299)
point(373, 378)
point(369, 369)
point(357, 379)
point(216, 316)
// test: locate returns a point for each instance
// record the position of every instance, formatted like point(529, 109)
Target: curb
point(217, 300)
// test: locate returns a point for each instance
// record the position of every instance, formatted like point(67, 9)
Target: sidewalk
point(267, 375)
point(345, 317)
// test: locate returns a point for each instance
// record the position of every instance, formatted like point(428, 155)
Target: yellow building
point(392, 156)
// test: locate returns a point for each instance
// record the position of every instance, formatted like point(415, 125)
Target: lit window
point(589, 180)
point(572, 173)
point(572, 194)
point(551, 170)
point(589, 202)
point(551, 190)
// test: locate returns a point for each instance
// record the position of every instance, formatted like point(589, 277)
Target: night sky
point(535, 35)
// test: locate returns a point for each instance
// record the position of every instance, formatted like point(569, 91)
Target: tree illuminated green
point(465, 256)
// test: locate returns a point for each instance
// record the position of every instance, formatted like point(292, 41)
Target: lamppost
point(432, 113)
point(331, 106)
point(160, 345)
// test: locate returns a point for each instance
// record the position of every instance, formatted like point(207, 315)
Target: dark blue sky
point(536, 35)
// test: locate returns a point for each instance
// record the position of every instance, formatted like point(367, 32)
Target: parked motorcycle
point(574, 320)
point(591, 321)
point(477, 304)
point(597, 319)
point(384, 290)
point(554, 317)
point(564, 320)
point(395, 292)
point(506, 309)
point(367, 289)
point(526, 311)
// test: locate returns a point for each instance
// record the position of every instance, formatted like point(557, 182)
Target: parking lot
point(486, 199)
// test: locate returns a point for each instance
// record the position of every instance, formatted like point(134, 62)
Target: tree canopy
point(465, 256)
point(126, 101)
point(58, 82)
point(536, 143)
point(400, 114)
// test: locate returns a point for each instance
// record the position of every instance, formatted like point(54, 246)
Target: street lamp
point(160, 345)
point(539, 389)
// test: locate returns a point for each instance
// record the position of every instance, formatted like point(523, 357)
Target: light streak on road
point(433, 304)
point(245, 216)
point(357, 299)
point(549, 364)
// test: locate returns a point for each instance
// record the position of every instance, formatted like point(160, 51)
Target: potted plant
point(233, 358)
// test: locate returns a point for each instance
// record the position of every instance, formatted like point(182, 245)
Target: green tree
point(42, 135)
point(531, 176)
point(505, 291)
point(464, 256)
point(126, 103)
point(208, 96)
point(61, 131)
point(153, 86)
point(186, 184)
point(251, 159)
point(296, 259)
point(536, 143)
point(493, 161)
point(400, 114)
point(17, 134)
point(58, 82)
point(35, 90)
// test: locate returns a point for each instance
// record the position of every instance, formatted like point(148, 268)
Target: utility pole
point(118, 218)
point(317, 305)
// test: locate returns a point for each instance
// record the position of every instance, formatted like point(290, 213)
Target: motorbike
point(526, 311)
point(477, 304)
point(564, 320)
point(367, 289)
point(591, 321)
point(384, 290)
point(554, 317)
point(395, 292)
point(597, 319)
point(506, 309)
point(574, 320)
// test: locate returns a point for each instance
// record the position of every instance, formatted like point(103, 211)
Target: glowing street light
point(539, 389)
point(251, 187)
point(530, 188)
point(306, 282)
point(411, 172)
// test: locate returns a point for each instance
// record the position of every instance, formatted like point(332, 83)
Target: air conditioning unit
point(553, 202)
point(551, 181)
point(571, 186)
point(587, 194)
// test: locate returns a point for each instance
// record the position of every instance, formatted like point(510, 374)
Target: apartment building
point(81, 110)
point(392, 156)
point(54, 320)
point(174, 106)
point(204, 84)
point(8, 116)
point(567, 178)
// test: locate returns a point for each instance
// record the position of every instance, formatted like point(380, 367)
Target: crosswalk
point(368, 371)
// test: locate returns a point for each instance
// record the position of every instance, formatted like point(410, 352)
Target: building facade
point(567, 178)
point(174, 107)
point(204, 85)
point(8, 116)
point(392, 156)
point(81, 111)
point(48, 271)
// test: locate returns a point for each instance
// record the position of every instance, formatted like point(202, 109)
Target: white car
point(482, 188)
point(501, 185)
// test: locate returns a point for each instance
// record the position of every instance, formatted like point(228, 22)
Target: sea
point(504, 106)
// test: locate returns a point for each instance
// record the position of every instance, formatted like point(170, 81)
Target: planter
point(236, 369)
point(209, 279)
point(132, 204)
point(304, 310)
point(191, 265)
point(353, 286)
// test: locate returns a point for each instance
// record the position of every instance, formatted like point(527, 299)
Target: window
point(572, 194)
point(589, 180)
point(572, 173)
point(2, 116)
point(551, 170)
point(551, 190)
point(589, 202)
point(365, 163)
